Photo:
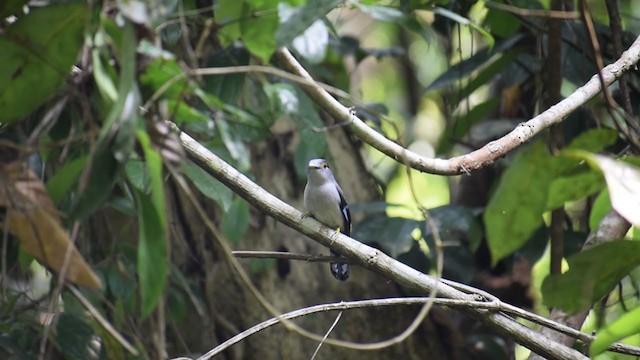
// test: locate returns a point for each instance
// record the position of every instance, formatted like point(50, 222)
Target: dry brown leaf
point(33, 219)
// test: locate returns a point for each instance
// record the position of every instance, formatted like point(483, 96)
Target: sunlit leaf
point(601, 207)
point(573, 187)
point(594, 140)
point(515, 209)
point(626, 325)
point(591, 275)
point(259, 33)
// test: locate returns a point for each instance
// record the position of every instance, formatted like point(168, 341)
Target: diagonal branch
point(478, 158)
point(366, 256)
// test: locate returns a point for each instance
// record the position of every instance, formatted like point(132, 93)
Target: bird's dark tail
point(339, 271)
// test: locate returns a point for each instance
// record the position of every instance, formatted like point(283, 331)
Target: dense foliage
point(86, 88)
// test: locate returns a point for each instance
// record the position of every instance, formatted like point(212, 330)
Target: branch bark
point(478, 158)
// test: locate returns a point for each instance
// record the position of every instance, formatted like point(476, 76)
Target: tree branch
point(494, 305)
point(288, 256)
point(366, 256)
point(478, 158)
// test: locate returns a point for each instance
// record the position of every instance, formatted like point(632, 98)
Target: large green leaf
point(152, 253)
point(36, 54)
point(573, 187)
point(259, 32)
point(515, 209)
point(592, 274)
point(626, 325)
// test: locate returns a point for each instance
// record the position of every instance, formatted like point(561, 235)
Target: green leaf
point(463, 123)
point(227, 13)
point(158, 74)
point(235, 221)
point(457, 224)
point(382, 13)
point(105, 84)
point(297, 21)
point(594, 140)
point(103, 176)
point(464, 21)
point(208, 185)
point(36, 54)
point(573, 187)
point(61, 183)
point(152, 253)
point(517, 204)
point(137, 173)
point(259, 33)
point(468, 66)
point(237, 148)
point(623, 182)
point(312, 43)
point(73, 337)
point(601, 207)
point(626, 325)
point(11, 7)
point(501, 23)
point(392, 234)
point(592, 274)
point(154, 170)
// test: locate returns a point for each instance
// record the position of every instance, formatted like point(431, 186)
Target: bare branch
point(478, 158)
point(288, 256)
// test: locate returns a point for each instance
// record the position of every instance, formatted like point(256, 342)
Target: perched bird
point(325, 201)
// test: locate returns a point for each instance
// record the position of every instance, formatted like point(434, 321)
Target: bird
point(325, 201)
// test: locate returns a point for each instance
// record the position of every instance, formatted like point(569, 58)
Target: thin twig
point(335, 322)
point(552, 14)
point(101, 320)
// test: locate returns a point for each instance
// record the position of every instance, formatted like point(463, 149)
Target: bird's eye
point(325, 166)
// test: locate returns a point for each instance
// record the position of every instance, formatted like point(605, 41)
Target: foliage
point(85, 89)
